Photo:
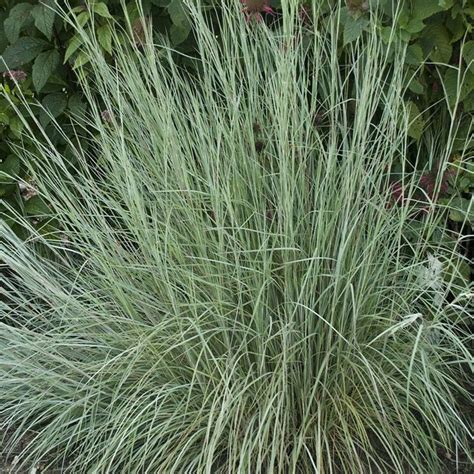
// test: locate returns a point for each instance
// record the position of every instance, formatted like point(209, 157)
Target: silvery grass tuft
point(232, 288)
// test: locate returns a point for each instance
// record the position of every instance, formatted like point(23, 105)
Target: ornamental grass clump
point(217, 296)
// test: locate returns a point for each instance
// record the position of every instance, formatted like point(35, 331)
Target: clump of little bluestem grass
point(220, 310)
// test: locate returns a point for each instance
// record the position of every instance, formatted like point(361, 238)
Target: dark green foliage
point(36, 41)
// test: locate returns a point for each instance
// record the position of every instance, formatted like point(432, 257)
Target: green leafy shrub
point(235, 288)
point(36, 40)
point(42, 50)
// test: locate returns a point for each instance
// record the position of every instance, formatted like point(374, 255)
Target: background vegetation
point(41, 53)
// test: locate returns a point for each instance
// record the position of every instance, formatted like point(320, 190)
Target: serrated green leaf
point(22, 52)
point(104, 35)
point(19, 17)
point(43, 67)
point(74, 44)
point(102, 10)
point(44, 15)
point(353, 28)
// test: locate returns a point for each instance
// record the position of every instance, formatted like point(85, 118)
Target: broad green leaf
point(9, 169)
point(416, 121)
point(104, 35)
point(44, 66)
point(456, 27)
point(442, 50)
point(468, 103)
point(161, 3)
point(102, 10)
point(83, 18)
point(76, 106)
point(179, 33)
point(464, 136)
point(44, 17)
point(385, 33)
point(3, 36)
point(54, 105)
point(436, 43)
point(416, 86)
point(445, 4)
point(457, 87)
point(36, 207)
point(4, 118)
point(405, 36)
point(450, 83)
point(177, 12)
point(16, 126)
point(74, 43)
point(468, 83)
point(79, 9)
point(415, 25)
point(469, 10)
point(81, 60)
point(468, 54)
point(22, 52)
point(18, 18)
point(353, 28)
point(414, 55)
point(422, 9)
point(462, 210)
point(8, 191)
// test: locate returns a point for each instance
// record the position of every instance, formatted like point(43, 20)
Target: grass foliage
point(233, 289)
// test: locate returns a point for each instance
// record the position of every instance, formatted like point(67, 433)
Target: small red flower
point(429, 183)
point(255, 8)
point(397, 191)
point(15, 75)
